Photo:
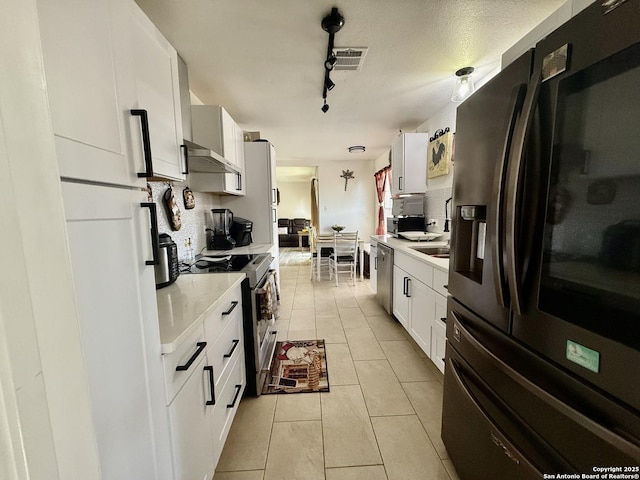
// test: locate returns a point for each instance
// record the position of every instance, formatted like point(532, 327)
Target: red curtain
point(381, 177)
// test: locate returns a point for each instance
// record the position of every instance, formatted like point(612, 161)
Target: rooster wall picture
point(439, 154)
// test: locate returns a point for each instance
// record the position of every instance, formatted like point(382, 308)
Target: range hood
point(199, 159)
point(204, 160)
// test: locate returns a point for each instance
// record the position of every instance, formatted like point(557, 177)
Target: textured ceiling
point(263, 61)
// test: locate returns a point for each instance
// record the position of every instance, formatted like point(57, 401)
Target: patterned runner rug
point(299, 366)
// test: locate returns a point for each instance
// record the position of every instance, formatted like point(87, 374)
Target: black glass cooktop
point(222, 263)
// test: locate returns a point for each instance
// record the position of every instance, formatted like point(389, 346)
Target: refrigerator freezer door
point(548, 418)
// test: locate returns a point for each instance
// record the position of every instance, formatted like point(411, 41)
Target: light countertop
point(405, 246)
point(183, 304)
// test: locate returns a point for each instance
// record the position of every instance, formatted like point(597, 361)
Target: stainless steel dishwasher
point(385, 277)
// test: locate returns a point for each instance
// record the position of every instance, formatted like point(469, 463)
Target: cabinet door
point(438, 345)
point(373, 269)
point(156, 79)
point(397, 166)
point(229, 137)
point(192, 435)
point(400, 299)
point(90, 88)
point(115, 294)
point(415, 162)
point(422, 309)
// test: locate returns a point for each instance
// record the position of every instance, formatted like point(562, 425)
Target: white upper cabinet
point(95, 76)
point(409, 163)
point(87, 79)
point(157, 89)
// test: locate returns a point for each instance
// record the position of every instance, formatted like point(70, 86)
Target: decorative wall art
point(347, 175)
point(439, 153)
point(172, 209)
point(189, 198)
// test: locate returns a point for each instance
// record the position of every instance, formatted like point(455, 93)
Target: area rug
point(299, 366)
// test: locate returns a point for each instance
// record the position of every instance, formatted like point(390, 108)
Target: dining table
point(325, 241)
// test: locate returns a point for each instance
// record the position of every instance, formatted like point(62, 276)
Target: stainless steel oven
point(259, 330)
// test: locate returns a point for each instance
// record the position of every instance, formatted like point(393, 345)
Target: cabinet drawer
point(226, 349)
point(227, 309)
point(440, 281)
point(227, 402)
point(414, 267)
point(187, 353)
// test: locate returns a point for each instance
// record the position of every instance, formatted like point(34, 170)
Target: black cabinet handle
point(186, 159)
point(400, 183)
point(404, 286)
point(228, 354)
point(239, 181)
point(186, 366)
point(212, 384)
point(233, 305)
point(408, 280)
point(235, 397)
point(146, 142)
point(155, 242)
point(375, 263)
point(443, 319)
point(446, 287)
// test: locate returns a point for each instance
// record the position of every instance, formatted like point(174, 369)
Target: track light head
point(330, 62)
point(328, 83)
point(325, 107)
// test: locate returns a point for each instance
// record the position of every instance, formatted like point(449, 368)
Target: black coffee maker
point(221, 238)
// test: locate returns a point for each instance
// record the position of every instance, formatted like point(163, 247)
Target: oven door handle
point(271, 352)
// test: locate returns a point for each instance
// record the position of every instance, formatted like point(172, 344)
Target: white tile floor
point(381, 419)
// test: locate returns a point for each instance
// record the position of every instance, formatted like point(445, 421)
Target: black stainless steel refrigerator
point(543, 329)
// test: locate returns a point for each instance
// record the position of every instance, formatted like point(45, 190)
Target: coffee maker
point(220, 238)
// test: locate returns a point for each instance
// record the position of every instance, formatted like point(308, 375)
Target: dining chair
point(317, 254)
point(343, 257)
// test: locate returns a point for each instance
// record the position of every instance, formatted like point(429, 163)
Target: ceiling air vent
point(349, 58)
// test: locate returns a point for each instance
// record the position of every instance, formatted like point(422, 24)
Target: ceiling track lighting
point(331, 24)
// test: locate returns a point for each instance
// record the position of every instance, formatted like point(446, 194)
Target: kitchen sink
point(438, 252)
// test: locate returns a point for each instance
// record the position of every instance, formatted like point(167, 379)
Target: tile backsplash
point(435, 208)
point(194, 221)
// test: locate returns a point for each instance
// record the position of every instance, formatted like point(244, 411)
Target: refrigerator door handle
point(497, 436)
point(500, 284)
point(515, 174)
point(606, 435)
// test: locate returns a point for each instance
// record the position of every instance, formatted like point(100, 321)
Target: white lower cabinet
point(400, 299)
point(420, 304)
point(191, 417)
point(439, 332)
point(422, 300)
point(205, 380)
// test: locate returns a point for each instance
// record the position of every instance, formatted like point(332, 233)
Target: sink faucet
point(446, 214)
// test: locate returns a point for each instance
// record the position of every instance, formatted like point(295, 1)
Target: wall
point(193, 221)
point(295, 199)
point(352, 208)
